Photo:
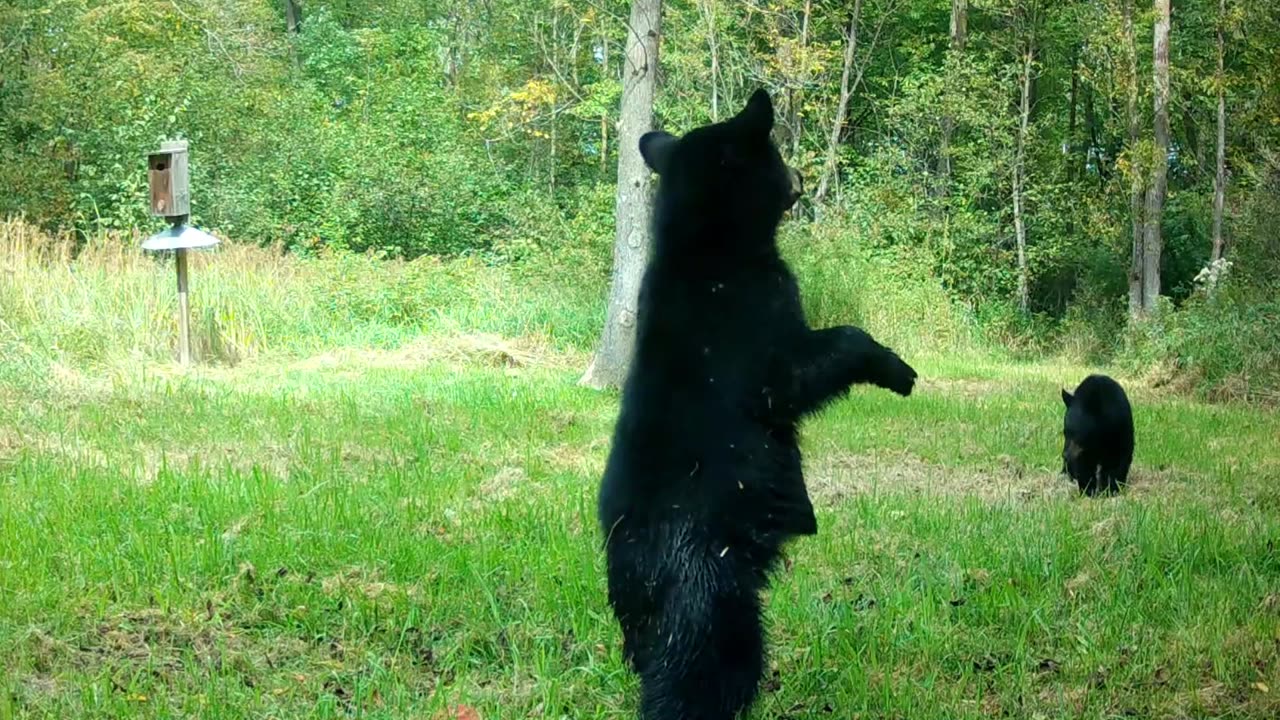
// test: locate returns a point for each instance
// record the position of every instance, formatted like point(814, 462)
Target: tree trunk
point(1092, 149)
point(1152, 240)
point(842, 108)
point(292, 16)
point(604, 116)
point(1073, 141)
point(1220, 178)
point(708, 9)
point(633, 201)
point(1019, 223)
point(959, 36)
point(796, 98)
point(292, 24)
point(552, 159)
point(1136, 305)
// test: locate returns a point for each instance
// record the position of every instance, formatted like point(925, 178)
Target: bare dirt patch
point(838, 477)
point(841, 476)
point(13, 442)
point(482, 349)
point(962, 387)
point(504, 484)
point(582, 460)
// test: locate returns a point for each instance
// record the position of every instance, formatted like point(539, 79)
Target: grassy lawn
point(390, 534)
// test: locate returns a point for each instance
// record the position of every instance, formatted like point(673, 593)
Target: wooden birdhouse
point(167, 174)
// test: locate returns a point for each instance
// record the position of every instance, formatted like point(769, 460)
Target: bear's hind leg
point(714, 654)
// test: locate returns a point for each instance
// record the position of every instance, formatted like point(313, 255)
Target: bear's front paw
point(898, 376)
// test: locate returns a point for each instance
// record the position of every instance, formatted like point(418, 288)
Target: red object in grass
point(457, 712)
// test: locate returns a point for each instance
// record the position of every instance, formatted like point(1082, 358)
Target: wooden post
point(184, 318)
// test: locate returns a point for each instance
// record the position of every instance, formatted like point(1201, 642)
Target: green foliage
point(488, 130)
point(1223, 340)
point(1222, 346)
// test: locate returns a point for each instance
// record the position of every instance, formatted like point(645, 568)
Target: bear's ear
point(1066, 398)
point(757, 117)
point(656, 147)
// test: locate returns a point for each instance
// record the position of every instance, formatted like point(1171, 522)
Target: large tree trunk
point(1135, 182)
point(634, 198)
point(1220, 178)
point(959, 36)
point(842, 108)
point(1152, 242)
point(1019, 165)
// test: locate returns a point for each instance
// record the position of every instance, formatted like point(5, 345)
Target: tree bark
point(708, 9)
point(842, 108)
point(633, 201)
point(1152, 240)
point(604, 116)
point(1073, 141)
point(1091, 151)
point(795, 95)
point(1220, 177)
point(959, 36)
point(1136, 305)
point(292, 16)
point(1019, 165)
point(292, 24)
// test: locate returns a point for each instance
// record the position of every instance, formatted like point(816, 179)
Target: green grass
point(375, 499)
point(359, 539)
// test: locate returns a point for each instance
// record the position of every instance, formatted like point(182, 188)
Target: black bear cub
point(1097, 435)
point(703, 484)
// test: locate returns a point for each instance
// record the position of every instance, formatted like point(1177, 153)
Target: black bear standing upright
point(703, 484)
point(1097, 435)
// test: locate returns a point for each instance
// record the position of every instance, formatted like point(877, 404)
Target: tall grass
point(105, 300)
point(843, 282)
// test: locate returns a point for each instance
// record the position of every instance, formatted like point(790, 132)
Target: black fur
point(1097, 434)
point(703, 484)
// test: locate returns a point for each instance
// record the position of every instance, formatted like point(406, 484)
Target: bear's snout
point(797, 184)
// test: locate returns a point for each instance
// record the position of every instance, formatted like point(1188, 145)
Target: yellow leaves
point(535, 92)
point(799, 63)
point(485, 117)
point(520, 107)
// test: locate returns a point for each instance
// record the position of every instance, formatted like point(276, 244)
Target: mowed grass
point(393, 535)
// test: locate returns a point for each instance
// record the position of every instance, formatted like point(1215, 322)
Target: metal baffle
point(171, 199)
